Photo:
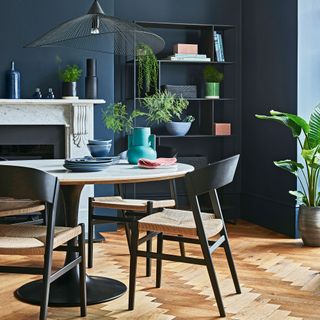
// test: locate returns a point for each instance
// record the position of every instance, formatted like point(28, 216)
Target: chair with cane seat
point(194, 227)
point(26, 183)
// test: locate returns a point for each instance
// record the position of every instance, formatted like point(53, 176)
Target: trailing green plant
point(310, 152)
point(211, 74)
point(189, 118)
point(164, 106)
point(147, 69)
point(71, 73)
point(117, 118)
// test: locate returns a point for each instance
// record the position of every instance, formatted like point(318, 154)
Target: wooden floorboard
point(280, 280)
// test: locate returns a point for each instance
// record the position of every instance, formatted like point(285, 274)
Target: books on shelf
point(189, 57)
point(218, 46)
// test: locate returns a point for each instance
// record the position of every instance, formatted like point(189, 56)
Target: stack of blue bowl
point(99, 148)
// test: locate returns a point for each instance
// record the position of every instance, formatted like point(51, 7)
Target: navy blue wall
point(269, 70)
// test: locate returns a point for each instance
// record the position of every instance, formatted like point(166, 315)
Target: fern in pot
point(165, 107)
point(69, 77)
point(307, 173)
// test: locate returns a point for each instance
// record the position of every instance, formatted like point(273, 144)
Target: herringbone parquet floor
point(280, 281)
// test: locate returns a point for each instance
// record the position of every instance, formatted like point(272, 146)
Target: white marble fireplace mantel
point(76, 115)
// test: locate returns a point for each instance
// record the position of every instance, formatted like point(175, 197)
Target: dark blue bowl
point(99, 150)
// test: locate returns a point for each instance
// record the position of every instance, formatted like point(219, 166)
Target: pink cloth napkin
point(153, 164)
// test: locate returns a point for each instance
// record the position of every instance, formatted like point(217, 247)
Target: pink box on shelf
point(185, 48)
point(222, 129)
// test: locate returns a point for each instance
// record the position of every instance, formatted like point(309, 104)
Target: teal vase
point(141, 144)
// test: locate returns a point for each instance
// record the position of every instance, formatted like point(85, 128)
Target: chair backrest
point(213, 176)
point(28, 183)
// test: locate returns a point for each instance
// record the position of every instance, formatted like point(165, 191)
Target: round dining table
point(64, 292)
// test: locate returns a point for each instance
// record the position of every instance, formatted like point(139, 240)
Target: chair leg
point(133, 264)
point(213, 276)
point(182, 249)
point(82, 267)
point(46, 284)
point(148, 260)
point(232, 266)
point(159, 261)
point(90, 234)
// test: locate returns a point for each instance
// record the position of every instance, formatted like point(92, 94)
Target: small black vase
point(91, 81)
point(69, 89)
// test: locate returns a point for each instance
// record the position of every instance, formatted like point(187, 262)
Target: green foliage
point(310, 152)
point(163, 106)
point(117, 118)
point(71, 73)
point(147, 69)
point(211, 74)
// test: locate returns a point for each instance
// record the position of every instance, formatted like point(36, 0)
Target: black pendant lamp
point(98, 32)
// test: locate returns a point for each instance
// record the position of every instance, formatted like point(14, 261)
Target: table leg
point(64, 292)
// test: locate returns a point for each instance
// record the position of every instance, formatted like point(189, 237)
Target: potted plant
point(307, 174)
point(147, 69)
point(165, 107)
point(141, 143)
point(69, 77)
point(213, 78)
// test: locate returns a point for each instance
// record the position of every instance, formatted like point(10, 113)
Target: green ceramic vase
point(212, 90)
point(141, 144)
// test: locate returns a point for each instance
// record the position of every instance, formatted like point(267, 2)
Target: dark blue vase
point(13, 83)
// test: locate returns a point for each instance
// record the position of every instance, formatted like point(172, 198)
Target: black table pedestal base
point(66, 294)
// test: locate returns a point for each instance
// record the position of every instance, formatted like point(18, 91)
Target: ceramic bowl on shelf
point(98, 141)
point(99, 150)
point(178, 128)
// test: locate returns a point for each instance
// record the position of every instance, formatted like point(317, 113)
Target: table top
point(115, 174)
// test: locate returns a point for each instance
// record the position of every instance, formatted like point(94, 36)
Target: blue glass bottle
point(13, 83)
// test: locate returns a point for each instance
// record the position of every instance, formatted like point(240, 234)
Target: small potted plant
point(69, 77)
point(307, 174)
point(147, 69)
point(165, 107)
point(213, 79)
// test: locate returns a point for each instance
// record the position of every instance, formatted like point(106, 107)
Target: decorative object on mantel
point(213, 78)
point(37, 94)
point(70, 75)
point(13, 83)
point(50, 94)
point(95, 31)
point(308, 197)
point(91, 82)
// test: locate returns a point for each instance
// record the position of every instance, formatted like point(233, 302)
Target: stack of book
point(191, 57)
point(218, 46)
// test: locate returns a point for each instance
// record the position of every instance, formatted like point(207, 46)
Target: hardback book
point(185, 48)
point(221, 46)
point(189, 55)
point(217, 47)
point(190, 59)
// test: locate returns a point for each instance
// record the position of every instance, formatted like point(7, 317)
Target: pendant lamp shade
point(98, 32)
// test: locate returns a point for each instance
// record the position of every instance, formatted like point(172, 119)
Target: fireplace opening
point(28, 142)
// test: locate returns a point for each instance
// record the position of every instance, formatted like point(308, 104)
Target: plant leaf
point(312, 156)
point(314, 134)
point(289, 165)
point(300, 197)
point(293, 126)
point(296, 119)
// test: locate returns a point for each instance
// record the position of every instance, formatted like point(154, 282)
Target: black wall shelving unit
point(201, 139)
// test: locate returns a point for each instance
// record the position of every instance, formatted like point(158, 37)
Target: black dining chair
point(194, 226)
point(28, 183)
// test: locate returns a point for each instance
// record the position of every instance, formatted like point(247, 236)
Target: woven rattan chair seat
point(14, 207)
point(30, 239)
point(181, 222)
point(119, 203)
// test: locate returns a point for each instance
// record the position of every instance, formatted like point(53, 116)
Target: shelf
point(173, 25)
point(191, 136)
point(195, 99)
point(195, 62)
